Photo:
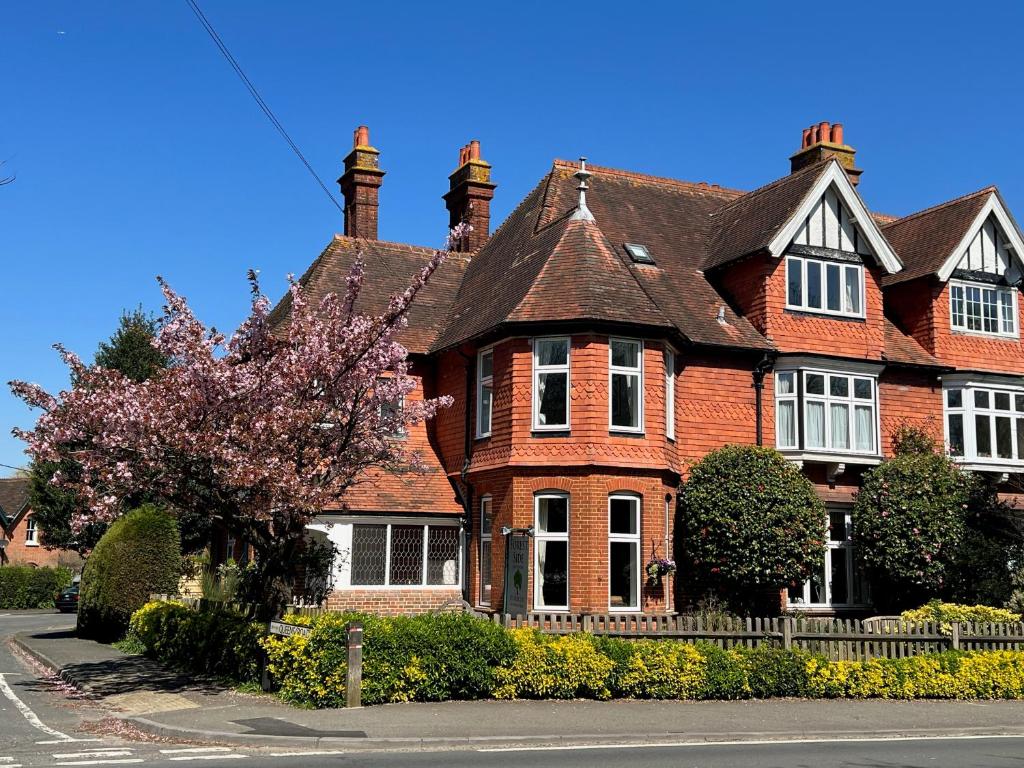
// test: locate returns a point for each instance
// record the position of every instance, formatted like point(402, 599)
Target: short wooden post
point(954, 638)
point(787, 633)
point(354, 676)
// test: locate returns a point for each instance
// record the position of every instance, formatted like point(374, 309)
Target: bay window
point(982, 308)
point(404, 555)
point(484, 392)
point(625, 372)
point(551, 552)
point(551, 384)
point(624, 553)
point(827, 287)
point(840, 582)
point(485, 550)
point(826, 411)
point(985, 423)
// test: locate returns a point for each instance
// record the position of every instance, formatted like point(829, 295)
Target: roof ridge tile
point(697, 186)
point(990, 189)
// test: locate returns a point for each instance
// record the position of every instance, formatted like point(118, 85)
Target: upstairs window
point(625, 369)
point(30, 531)
point(484, 392)
point(824, 287)
point(985, 424)
point(980, 308)
point(825, 411)
point(670, 394)
point(551, 384)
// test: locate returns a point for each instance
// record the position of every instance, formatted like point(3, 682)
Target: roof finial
point(582, 212)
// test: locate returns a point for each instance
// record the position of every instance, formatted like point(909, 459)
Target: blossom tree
point(259, 431)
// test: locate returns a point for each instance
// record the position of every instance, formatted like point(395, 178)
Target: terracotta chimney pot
point(837, 133)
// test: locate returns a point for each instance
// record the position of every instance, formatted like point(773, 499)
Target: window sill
point(31, 543)
point(825, 315)
point(542, 432)
point(623, 432)
point(989, 465)
point(819, 609)
point(398, 587)
point(830, 457)
point(983, 335)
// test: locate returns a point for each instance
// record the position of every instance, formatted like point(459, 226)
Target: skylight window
point(639, 253)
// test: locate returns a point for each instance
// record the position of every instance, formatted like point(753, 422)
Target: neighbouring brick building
point(618, 326)
point(19, 531)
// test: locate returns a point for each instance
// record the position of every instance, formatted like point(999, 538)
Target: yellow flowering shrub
point(948, 613)
point(543, 667)
point(660, 670)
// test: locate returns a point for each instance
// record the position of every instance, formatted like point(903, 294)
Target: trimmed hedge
point(223, 644)
point(139, 554)
point(24, 586)
point(437, 657)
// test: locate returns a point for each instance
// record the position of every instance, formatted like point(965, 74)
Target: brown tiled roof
point(901, 348)
point(390, 268)
point(539, 265)
point(421, 492)
point(924, 240)
point(13, 498)
point(750, 222)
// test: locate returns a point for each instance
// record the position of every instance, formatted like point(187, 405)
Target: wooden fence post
point(787, 633)
point(354, 676)
point(954, 637)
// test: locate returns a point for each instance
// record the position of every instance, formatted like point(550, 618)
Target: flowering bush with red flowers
point(750, 521)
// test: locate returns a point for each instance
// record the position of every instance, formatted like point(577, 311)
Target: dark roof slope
point(13, 498)
point(904, 349)
point(390, 268)
point(588, 266)
point(749, 223)
point(924, 240)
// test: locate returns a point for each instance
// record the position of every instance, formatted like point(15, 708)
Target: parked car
point(67, 599)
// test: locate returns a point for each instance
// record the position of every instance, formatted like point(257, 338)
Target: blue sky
point(138, 152)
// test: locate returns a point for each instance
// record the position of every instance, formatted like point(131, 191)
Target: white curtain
point(852, 290)
point(840, 426)
point(865, 428)
point(542, 552)
point(815, 425)
point(787, 425)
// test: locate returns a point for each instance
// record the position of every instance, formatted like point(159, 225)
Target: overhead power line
point(259, 99)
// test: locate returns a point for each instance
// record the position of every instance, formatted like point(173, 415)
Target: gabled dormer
point(803, 258)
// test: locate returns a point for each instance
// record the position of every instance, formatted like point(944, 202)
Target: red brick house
point(18, 528)
point(618, 326)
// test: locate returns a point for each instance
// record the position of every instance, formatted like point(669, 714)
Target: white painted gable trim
point(995, 208)
point(834, 174)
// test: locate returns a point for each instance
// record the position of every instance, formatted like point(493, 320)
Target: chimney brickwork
point(360, 184)
point(469, 197)
point(822, 141)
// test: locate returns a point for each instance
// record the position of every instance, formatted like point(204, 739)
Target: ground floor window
point(485, 550)
point(624, 553)
point(840, 583)
point(404, 554)
point(551, 552)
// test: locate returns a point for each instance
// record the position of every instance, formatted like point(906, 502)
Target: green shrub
point(24, 586)
point(749, 520)
point(772, 672)
point(219, 643)
point(546, 667)
point(948, 613)
point(138, 555)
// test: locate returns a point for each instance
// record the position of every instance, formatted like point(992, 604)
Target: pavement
point(179, 707)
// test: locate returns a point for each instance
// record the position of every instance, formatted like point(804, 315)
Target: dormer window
point(824, 287)
point(983, 308)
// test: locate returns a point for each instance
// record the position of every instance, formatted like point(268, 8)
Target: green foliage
point(909, 522)
point(910, 440)
point(24, 586)
point(130, 350)
point(774, 672)
point(223, 644)
point(544, 667)
point(948, 613)
point(750, 519)
point(53, 508)
point(138, 555)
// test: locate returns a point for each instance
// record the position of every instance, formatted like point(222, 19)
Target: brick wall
point(20, 552)
point(972, 351)
point(392, 601)
point(909, 397)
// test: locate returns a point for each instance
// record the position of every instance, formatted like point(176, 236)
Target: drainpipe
point(764, 366)
point(467, 494)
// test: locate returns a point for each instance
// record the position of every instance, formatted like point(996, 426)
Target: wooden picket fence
point(836, 639)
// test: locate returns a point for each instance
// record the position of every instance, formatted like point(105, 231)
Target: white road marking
point(321, 752)
point(209, 757)
point(104, 762)
point(65, 741)
point(29, 715)
point(194, 750)
point(94, 753)
point(759, 742)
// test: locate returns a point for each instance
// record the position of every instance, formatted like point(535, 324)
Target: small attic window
point(639, 253)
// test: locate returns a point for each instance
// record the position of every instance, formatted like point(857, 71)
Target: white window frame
point(823, 264)
point(31, 532)
point(963, 287)
point(789, 397)
point(638, 372)
point(670, 393)
point(851, 571)
point(539, 536)
point(481, 382)
point(486, 537)
point(969, 411)
point(539, 369)
point(626, 538)
point(345, 553)
point(802, 398)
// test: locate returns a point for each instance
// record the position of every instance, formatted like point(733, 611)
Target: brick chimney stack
point(360, 184)
point(821, 141)
point(469, 198)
